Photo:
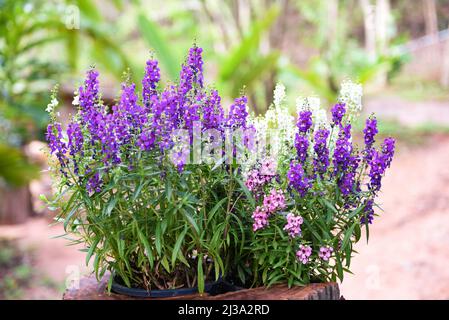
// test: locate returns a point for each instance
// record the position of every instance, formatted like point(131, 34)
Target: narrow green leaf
point(92, 249)
point(200, 274)
point(177, 246)
point(153, 35)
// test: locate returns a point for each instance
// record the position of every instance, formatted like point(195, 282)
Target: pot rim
point(143, 293)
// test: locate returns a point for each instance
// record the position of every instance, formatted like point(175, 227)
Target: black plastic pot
point(212, 288)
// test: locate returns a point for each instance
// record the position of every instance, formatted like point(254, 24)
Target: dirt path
point(408, 253)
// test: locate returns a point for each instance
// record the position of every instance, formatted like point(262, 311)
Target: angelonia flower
point(321, 160)
point(304, 253)
point(388, 147)
point(370, 132)
point(302, 146)
point(260, 176)
point(88, 95)
point(293, 226)
point(255, 180)
point(368, 212)
point(260, 217)
point(347, 181)
point(238, 113)
point(278, 94)
point(379, 162)
point(106, 136)
point(94, 184)
point(274, 201)
point(213, 112)
point(191, 72)
point(195, 61)
point(297, 178)
point(150, 81)
point(268, 167)
point(351, 94)
point(343, 149)
point(56, 142)
point(304, 121)
point(325, 253)
point(338, 111)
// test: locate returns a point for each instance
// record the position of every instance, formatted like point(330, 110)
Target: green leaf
point(146, 244)
point(348, 235)
point(89, 9)
point(216, 207)
point(355, 212)
point(158, 239)
point(92, 248)
point(329, 205)
point(248, 194)
point(178, 246)
point(111, 205)
point(190, 220)
point(153, 35)
point(165, 264)
point(200, 274)
point(255, 72)
point(245, 48)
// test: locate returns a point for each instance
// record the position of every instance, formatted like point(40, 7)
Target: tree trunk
point(430, 16)
point(370, 27)
point(445, 69)
point(15, 205)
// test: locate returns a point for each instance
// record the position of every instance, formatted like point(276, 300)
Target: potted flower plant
point(172, 193)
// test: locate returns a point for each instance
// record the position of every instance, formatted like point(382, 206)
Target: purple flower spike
point(370, 132)
point(368, 212)
point(321, 161)
point(343, 149)
point(388, 147)
point(302, 146)
point(238, 113)
point(150, 81)
point(297, 179)
point(304, 121)
point(212, 111)
point(338, 111)
point(56, 143)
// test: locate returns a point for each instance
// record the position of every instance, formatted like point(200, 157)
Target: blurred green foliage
point(15, 169)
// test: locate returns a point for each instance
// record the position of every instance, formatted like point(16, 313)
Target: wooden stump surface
point(90, 289)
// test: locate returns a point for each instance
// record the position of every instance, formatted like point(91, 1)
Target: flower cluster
point(325, 253)
point(304, 253)
point(329, 183)
point(321, 160)
point(260, 217)
point(274, 201)
point(293, 226)
point(114, 135)
point(298, 179)
point(258, 177)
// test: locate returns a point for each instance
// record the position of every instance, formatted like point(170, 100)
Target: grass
point(18, 273)
point(414, 89)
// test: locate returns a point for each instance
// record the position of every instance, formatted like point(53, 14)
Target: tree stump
point(90, 289)
point(15, 205)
